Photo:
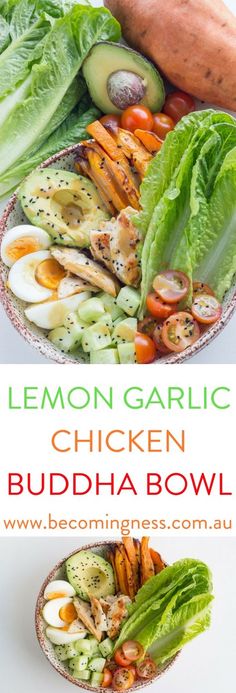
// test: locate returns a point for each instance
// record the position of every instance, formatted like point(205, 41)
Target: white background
point(207, 664)
point(13, 349)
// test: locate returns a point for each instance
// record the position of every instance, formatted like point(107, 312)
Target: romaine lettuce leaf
point(4, 34)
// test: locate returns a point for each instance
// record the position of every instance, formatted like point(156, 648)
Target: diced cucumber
point(128, 300)
point(94, 646)
point(82, 675)
point(106, 647)
point(79, 663)
point(109, 356)
point(62, 338)
point(90, 311)
point(110, 305)
point(96, 337)
point(106, 319)
point(127, 352)
point(97, 664)
point(60, 651)
point(120, 319)
point(96, 679)
point(83, 647)
point(125, 331)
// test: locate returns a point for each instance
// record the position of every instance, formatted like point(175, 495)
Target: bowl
point(36, 337)
point(59, 573)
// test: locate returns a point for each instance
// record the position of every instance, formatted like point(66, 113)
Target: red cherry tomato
point(132, 650)
point(132, 668)
point(162, 125)
point(206, 309)
point(111, 122)
point(200, 288)
point(120, 658)
point(147, 326)
point(122, 680)
point(158, 308)
point(107, 678)
point(171, 286)
point(180, 331)
point(157, 338)
point(146, 669)
point(145, 348)
point(178, 104)
point(137, 117)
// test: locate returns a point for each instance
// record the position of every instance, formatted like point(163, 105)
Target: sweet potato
point(133, 559)
point(157, 561)
point(147, 566)
point(121, 570)
point(193, 42)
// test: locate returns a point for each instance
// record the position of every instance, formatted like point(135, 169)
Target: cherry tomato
point(158, 308)
point(107, 678)
point(206, 309)
point(111, 122)
point(137, 117)
point(200, 288)
point(178, 104)
point(157, 338)
point(145, 348)
point(180, 331)
point(120, 658)
point(171, 286)
point(122, 680)
point(132, 668)
point(132, 650)
point(162, 125)
point(146, 669)
point(147, 326)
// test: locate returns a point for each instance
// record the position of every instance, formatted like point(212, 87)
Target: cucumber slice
point(125, 331)
point(94, 646)
point(106, 647)
point(96, 679)
point(97, 664)
point(109, 356)
point(75, 328)
point(82, 675)
point(90, 311)
point(120, 319)
point(106, 319)
point(79, 663)
point(84, 647)
point(96, 337)
point(128, 300)
point(127, 352)
point(62, 339)
point(110, 305)
point(60, 651)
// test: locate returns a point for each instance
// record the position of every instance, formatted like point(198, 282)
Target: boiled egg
point(53, 313)
point(59, 612)
point(22, 279)
point(62, 637)
point(57, 589)
point(23, 240)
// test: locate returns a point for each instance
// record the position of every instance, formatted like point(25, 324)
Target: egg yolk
point(49, 273)
point(68, 613)
point(55, 595)
point(23, 246)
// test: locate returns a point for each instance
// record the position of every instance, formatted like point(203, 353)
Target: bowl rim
point(41, 637)
point(47, 349)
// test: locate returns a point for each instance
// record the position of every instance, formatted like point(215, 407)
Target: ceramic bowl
point(36, 337)
point(59, 573)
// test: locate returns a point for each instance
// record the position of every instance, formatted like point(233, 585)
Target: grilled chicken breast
point(82, 266)
point(71, 285)
point(116, 246)
point(85, 615)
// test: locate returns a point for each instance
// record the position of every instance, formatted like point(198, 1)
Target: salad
point(120, 616)
point(127, 257)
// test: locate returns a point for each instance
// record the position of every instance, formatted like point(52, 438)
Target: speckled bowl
point(37, 337)
point(58, 573)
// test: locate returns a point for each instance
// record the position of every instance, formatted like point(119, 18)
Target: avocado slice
point(124, 78)
point(90, 574)
point(65, 204)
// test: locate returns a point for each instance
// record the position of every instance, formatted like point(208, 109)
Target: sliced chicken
point(85, 615)
point(71, 285)
point(76, 626)
point(82, 266)
point(116, 614)
point(98, 614)
point(116, 245)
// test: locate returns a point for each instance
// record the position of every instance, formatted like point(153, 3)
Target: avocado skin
point(106, 58)
point(78, 569)
point(50, 199)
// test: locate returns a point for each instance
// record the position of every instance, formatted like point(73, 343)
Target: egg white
point(62, 637)
point(22, 280)
point(19, 232)
point(61, 588)
point(53, 314)
point(51, 611)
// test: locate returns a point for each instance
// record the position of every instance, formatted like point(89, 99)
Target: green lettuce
point(4, 34)
point(65, 48)
point(170, 609)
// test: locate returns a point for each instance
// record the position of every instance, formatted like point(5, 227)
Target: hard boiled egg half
point(59, 612)
point(22, 240)
point(58, 589)
point(35, 277)
point(62, 637)
point(52, 314)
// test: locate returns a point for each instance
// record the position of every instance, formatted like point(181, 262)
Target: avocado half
point(118, 77)
point(89, 574)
